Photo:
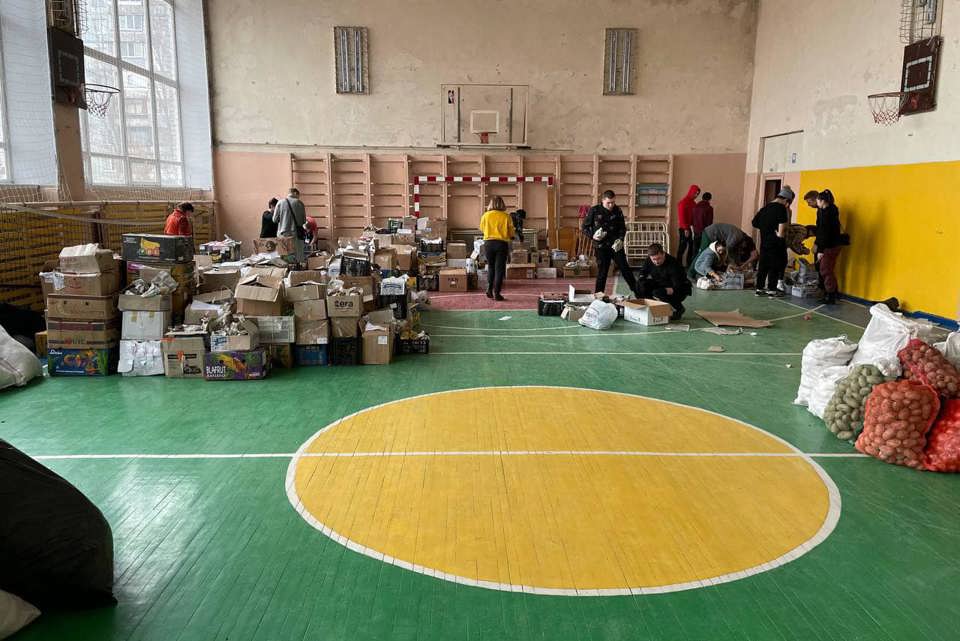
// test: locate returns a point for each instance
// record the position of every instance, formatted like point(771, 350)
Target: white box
point(646, 311)
point(144, 326)
point(732, 280)
point(276, 330)
point(140, 358)
point(393, 286)
point(575, 295)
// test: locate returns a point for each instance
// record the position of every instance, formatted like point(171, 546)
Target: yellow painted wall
point(904, 223)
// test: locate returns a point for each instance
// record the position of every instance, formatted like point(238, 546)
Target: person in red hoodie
point(178, 222)
point(685, 224)
point(702, 218)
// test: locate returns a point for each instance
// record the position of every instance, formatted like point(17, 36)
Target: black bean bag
point(56, 549)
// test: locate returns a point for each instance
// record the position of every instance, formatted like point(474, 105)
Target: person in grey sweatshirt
point(291, 216)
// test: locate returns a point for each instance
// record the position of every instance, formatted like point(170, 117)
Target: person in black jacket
point(268, 228)
point(828, 244)
point(663, 278)
point(605, 224)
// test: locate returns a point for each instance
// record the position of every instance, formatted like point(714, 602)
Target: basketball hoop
point(887, 107)
point(98, 98)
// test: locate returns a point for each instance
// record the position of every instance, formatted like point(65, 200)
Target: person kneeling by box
point(663, 278)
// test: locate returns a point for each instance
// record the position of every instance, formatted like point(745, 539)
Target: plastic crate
point(552, 307)
point(311, 355)
point(434, 247)
point(413, 346)
point(344, 351)
point(397, 303)
point(350, 266)
point(428, 282)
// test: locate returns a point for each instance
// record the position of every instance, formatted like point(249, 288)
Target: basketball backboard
point(919, 77)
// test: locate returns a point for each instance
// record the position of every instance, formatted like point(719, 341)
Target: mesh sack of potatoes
point(925, 364)
point(844, 412)
point(943, 441)
point(898, 416)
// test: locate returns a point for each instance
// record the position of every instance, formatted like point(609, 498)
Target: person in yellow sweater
point(498, 231)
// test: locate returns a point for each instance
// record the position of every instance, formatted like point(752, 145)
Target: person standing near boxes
point(178, 222)
point(498, 230)
point(291, 218)
point(772, 222)
point(605, 224)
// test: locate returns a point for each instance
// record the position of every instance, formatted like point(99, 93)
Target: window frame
point(153, 78)
point(4, 130)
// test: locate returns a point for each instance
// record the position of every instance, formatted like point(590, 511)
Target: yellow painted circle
point(562, 491)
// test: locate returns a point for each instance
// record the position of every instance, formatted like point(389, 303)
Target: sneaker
point(776, 294)
point(489, 294)
point(760, 292)
point(498, 297)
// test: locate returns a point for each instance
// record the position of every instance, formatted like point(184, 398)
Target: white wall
point(816, 62)
point(273, 77)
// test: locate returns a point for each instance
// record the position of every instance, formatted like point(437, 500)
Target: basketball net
point(886, 107)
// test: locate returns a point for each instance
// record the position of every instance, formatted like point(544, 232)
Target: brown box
point(259, 307)
point(345, 304)
point(259, 295)
point(40, 344)
point(519, 256)
point(377, 348)
point(386, 258)
point(214, 280)
point(546, 272)
point(78, 334)
point(457, 250)
point(453, 280)
point(82, 307)
point(307, 291)
point(306, 276)
point(364, 283)
point(134, 303)
point(313, 332)
point(318, 261)
point(406, 256)
point(236, 342)
point(183, 355)
point(284, 246)
point(521, 271)
point(404, 239)
point(344, 327)
point(102, 284)
point(101, 261)
point(310, 309)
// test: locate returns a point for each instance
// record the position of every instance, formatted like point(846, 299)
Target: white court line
point(271, 455)
point(814, 311)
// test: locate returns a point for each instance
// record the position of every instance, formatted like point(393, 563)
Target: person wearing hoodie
point(702, 218)
point(605, 224)
point(828, 244)
point(685, 225)
point(712, 261)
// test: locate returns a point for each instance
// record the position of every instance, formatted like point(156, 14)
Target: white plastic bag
point(599, 315)
point(950, 348)
point(886, 334)
point(706, 283)
point(824, 387)
point(817, 356)
point(17, 363)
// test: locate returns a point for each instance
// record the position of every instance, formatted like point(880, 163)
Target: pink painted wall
point(245, 182)
point(720, 174)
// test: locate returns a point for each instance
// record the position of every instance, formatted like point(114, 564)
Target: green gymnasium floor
point(209, 547)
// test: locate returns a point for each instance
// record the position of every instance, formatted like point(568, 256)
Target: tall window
point(4, 156)
point(131, 45)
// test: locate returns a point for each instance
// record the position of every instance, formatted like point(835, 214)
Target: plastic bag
point(924, 364)
point(844, 413)
point(817, 355)
point(17, 363)
point(950, 348)
point(898, 417)
point(599, 315)
point(706, 283)
point(886, 334)
point(943, 441)
point(824, 388)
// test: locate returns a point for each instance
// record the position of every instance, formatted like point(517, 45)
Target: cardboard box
point(100, 260)
point(159, 247)
point(236, 365)
point(280, 355)
point(521, 271)
point(432, 260)
point(406, 257)
point(183, 273)
point(519, 256)
point(344, 327)
point(284, 246)
point(82, 362)
point(275, 329)
point(214, 280)
point(318, 261)
point(102, 284)
point(403, 237)
point(384, 240)
point(134, 303)
point(202, 261)
point(198, 310)
point(310, 355)
point(573, 313)
point(145, 326)
point(275, 273)
point(344, 304)
point(543, 258)
point(365, 283)
point(386, 258)
point(377, 345)
point(140, 358)
point(646, 311)
point(453, 280)
point(183, 355)
point(259, 308)
point(457, 251)
point(393, 286)
point(457, 263)
point(81, 308)
point(314, 332)
point(305, 292)
point(310, 309)
point(221, 342)
point(81, 334)
point(546, 272)
point(40, 344)
point(306, 276)
point(576, 295)
point(259, 295)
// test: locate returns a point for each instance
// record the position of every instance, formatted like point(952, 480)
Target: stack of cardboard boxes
point(144, 324)
point(82, 324)
point(235, 352)
point(344, 308)
point(307, 291)
point(148, 254)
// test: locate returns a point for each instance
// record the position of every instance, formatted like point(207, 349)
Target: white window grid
point(7, 175)
point(153, 78)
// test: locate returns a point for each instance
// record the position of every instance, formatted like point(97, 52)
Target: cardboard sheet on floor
point(732, 319)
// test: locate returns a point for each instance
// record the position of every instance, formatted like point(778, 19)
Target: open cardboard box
point(646, 311)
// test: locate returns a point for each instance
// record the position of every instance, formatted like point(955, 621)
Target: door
point(771, 187)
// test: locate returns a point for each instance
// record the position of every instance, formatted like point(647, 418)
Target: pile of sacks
point(894, 393)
